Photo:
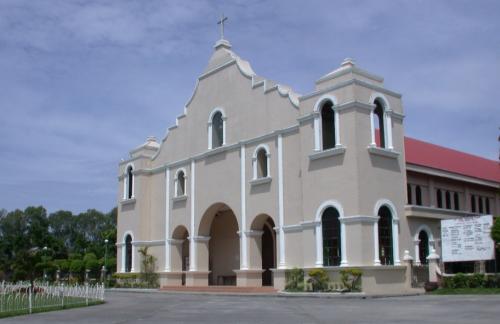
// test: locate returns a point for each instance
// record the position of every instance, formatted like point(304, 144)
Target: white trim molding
point(176, 182)
point(255, 162)
point(210, 118)
point(124, 251)
point(281, 216)
point(386, 120)
point(319, 232)
point(395, 230)
point(416, 241)
point(192, 247)
point(243, 238)
point(126, 179)
point(167, 220)
point(318, 131)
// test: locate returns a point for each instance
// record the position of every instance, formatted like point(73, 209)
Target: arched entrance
point(180, 257)
point(220, 224)
point(385, 238)
point(264, 225)
point(423, 246)
point(128, 253)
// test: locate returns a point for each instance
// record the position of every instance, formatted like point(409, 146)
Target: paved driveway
point(126, 307)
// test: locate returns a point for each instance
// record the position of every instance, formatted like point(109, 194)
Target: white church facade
point(254, 179)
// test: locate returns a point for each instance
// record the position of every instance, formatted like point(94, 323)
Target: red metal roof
point(442, 158)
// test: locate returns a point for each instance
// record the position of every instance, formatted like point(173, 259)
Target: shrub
point(294, 280)
point(318, 278)
point(477, 280)
point(351, 279)
point(460, 280)
point(148, 275)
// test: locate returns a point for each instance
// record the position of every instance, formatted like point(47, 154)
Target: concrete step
point(221, 289)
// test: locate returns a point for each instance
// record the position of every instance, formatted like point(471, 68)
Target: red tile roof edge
point(446, 159)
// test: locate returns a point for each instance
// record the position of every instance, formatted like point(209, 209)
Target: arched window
point(180, 184)
point(217, 130)
point(448, 199)
point(418, 194)
point(456, 201)
point(128, 253)
point(385, 236)
point(487, 203)
point(129, 187)
point(328, 126)
point(262, 163)
point(480, 199)
point(423, 246)
point(378, 114)
point(330, 224)
point(439, 198)
point(408, 192)
point(473, 203)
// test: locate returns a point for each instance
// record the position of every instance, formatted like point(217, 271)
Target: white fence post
point(29, 300)
point(87, 293)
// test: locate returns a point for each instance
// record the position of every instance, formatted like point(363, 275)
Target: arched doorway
point(330, 225)
point(423, 246)
point(220, 224)
point(128, 253)
point(385, 238)
point(180, 257)
point(264, 225)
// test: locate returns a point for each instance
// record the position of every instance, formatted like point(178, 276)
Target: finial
point(221, 23)
point(348, 62)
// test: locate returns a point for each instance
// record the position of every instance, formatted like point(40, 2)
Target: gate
point(420, 275)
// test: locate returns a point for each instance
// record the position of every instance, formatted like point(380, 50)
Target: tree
point(23, 235)
point(495, 231)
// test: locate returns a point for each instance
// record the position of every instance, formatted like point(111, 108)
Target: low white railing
point(22, 298)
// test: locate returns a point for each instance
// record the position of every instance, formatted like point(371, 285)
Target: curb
point(280, 294)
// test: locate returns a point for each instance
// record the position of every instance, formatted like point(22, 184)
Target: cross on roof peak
point(221, 23)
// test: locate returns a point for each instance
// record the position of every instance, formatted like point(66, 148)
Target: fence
point(21, 298)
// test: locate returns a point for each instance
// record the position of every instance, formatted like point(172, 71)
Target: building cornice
point(450, 175)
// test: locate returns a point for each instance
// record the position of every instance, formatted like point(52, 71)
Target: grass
point(466, 291)
point(46, 306)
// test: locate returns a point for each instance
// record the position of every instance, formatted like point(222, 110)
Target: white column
point(125, 180)
point(282, 263)
point(372, 127)
point(167, 220)
point(223, 131)
point(192, 245)
point(376, 247)
point(395, 240)
point(316, 132)
point(210, 135)
point(318, 231)
point(343, 245)
point(132, 268)
point(417, 252)
point(337, 129)
point(124, 248)
point(243, 237)
point(254, 168)
point(389, 131)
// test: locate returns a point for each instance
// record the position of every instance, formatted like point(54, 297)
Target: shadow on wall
point(261, 188)
point(326, 162)
point(385, 163)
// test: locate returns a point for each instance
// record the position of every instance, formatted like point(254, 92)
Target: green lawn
point(466, 291)
point(20, 307)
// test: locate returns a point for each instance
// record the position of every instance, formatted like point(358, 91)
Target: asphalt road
point(127, 307)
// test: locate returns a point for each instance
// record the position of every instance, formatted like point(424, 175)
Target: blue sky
point(83, 82)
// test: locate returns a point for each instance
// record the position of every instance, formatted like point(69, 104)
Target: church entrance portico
point(217, 247)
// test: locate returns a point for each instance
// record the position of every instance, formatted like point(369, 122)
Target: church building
point(254, 179)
